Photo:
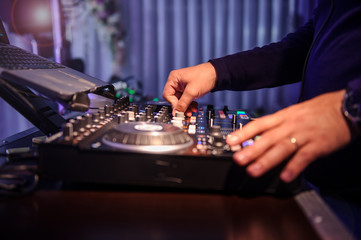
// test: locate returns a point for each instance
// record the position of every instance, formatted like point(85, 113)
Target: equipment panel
point(145, 146)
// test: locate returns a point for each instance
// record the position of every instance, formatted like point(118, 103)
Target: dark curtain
point(169, 34)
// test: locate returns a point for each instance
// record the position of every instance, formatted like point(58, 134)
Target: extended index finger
point(254, 128)
point(171, 94)
point(260, 125)
point(184, 102)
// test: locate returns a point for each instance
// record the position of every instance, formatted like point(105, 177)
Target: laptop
point(55, 81)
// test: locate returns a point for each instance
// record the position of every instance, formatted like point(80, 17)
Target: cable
point(18, 180)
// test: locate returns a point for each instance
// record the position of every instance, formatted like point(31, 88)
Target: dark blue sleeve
point(273, 65)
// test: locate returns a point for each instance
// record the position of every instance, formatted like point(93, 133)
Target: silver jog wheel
point(147, 137)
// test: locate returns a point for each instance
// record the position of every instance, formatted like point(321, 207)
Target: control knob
point(68, 131)
point(216, 137)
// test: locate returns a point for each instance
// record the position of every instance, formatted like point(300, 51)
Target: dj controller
point(145, 146)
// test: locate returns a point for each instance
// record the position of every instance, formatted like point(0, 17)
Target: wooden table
point(90, 214)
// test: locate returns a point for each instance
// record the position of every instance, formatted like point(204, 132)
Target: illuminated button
point(248, 143)
point(221, 114)
point(192, 129)
point(96, 145)
point(201, 147)
point(241, 112)
point(193, 119)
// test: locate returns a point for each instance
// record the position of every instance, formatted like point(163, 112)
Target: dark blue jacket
point(326, 55)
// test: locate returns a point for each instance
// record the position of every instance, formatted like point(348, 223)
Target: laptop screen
point(3, 36)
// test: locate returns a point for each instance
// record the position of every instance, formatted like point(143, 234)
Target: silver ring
point(293, 140)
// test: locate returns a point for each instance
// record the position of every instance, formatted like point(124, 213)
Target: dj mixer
point(145, 146)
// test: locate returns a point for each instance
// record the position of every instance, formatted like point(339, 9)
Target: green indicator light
point(156, 99)
point(131, 91)
point(117, 95)
point(130, 99)
point(241, 112)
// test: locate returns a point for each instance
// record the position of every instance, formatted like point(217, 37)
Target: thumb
point(173, 100)
point(183, 103)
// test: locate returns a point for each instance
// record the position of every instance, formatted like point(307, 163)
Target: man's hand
point(302, 132)
point(187, 84)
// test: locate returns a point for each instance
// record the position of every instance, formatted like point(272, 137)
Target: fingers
point(193, 107)
point(172, 90)
point(266, 142)
point(185, 85)
point(263, 156)
point(184, 102)
point(272, 157)
point(252, 129)
point(178, 97)
point(302, 158)
point(274, 146)
point(298, 134)
point(173, 100)
point(179, 102)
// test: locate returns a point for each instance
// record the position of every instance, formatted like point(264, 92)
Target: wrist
point(351, 110)
point(211, 73)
